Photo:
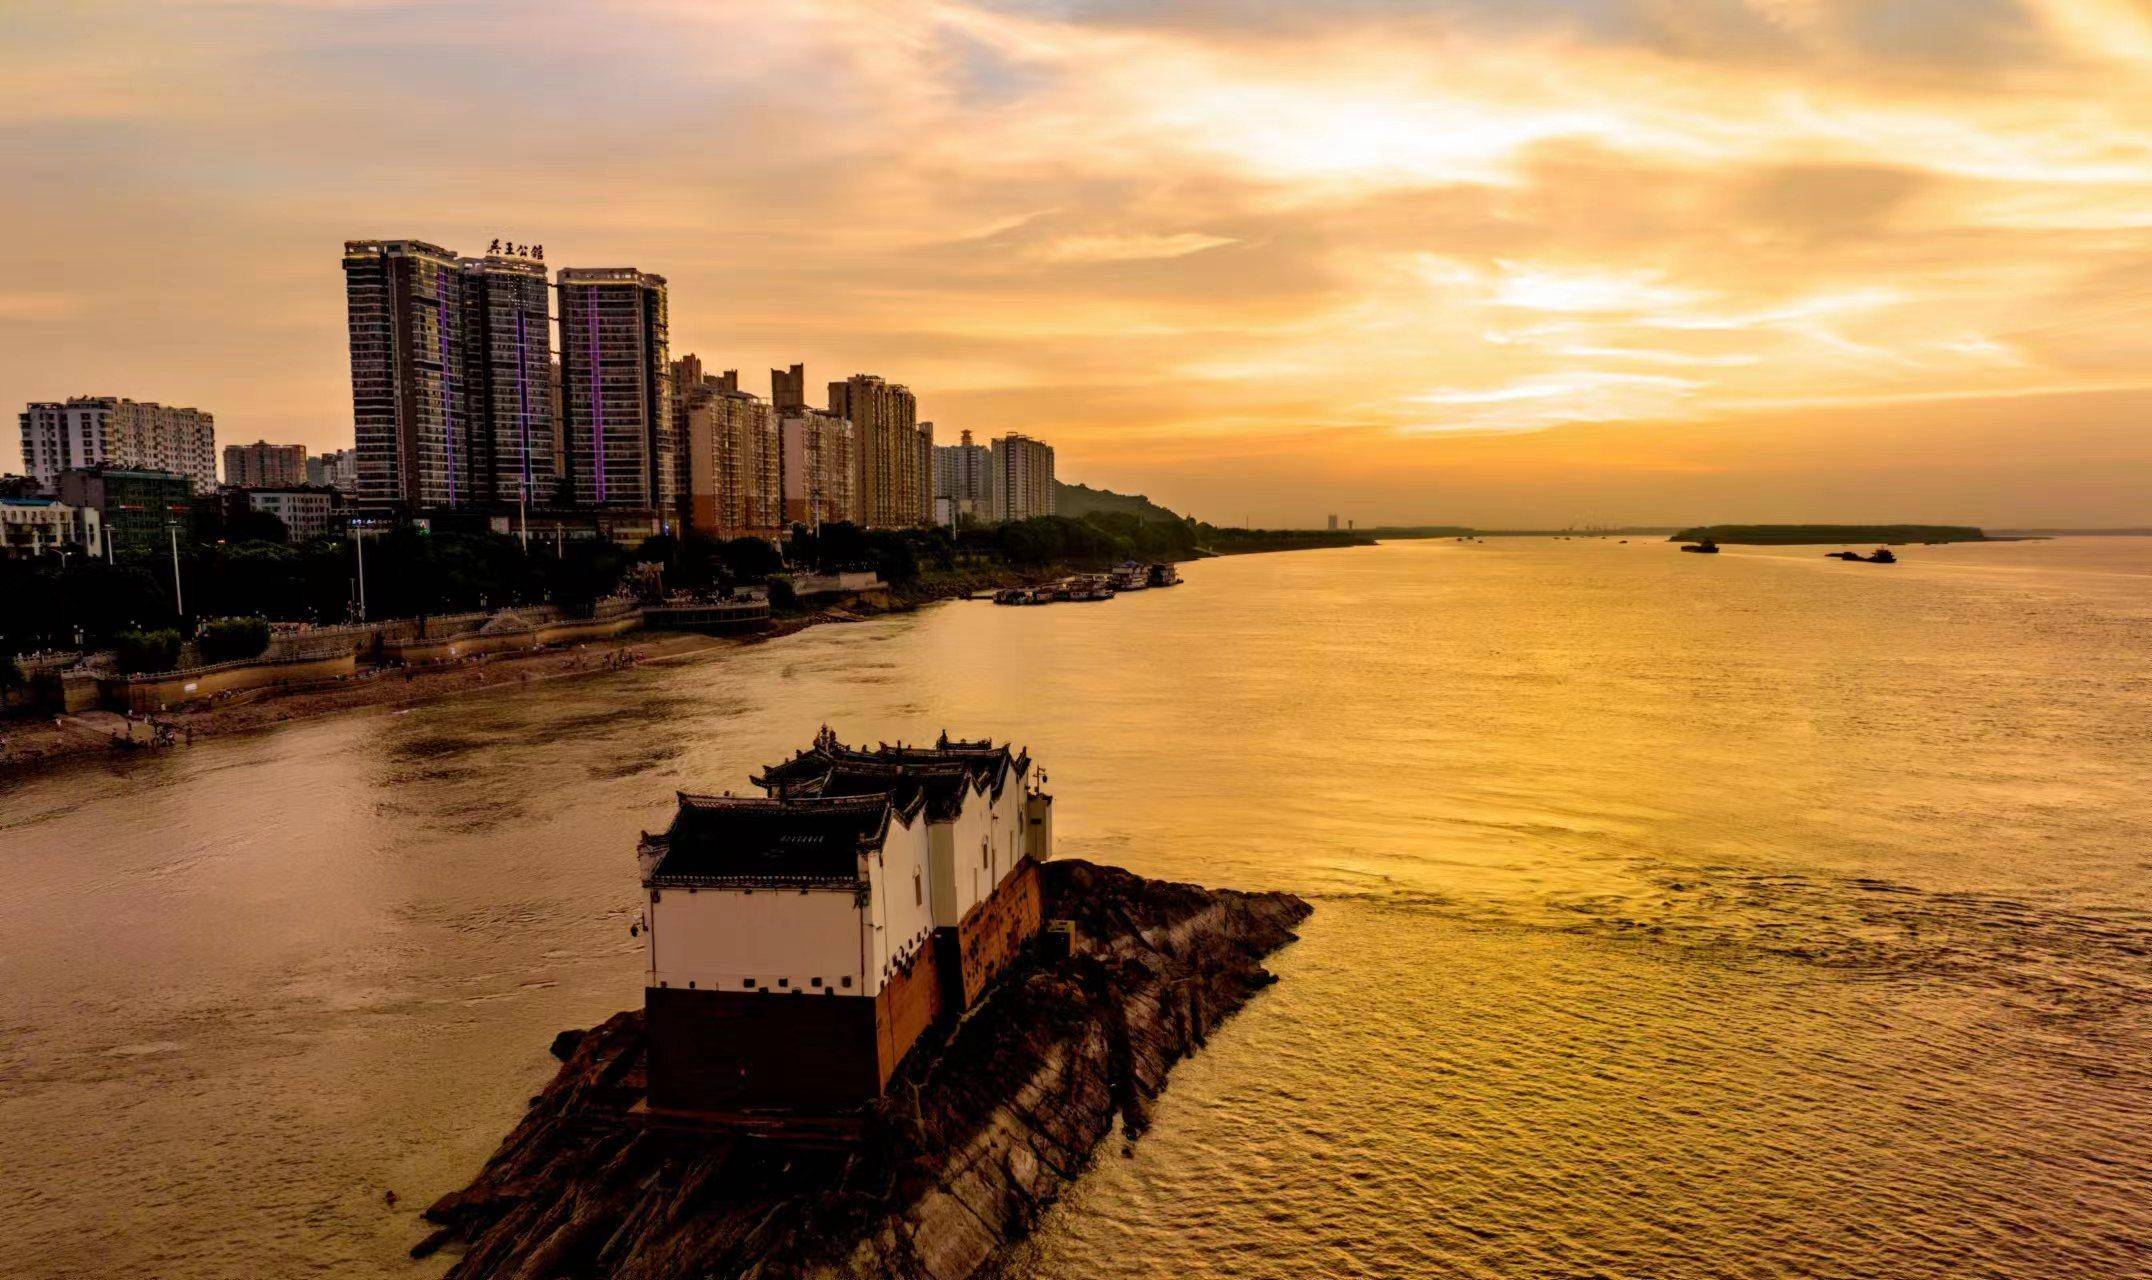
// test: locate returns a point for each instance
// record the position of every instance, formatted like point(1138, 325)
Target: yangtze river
point(1677, 917)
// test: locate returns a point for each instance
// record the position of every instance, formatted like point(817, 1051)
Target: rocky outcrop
point(978, 1134)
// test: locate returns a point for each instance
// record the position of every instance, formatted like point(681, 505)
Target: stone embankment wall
point(454, 648)
point(146, 693)
point(976, 1136)
point(325, 654)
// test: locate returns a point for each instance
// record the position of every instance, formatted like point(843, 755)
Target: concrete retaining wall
point(420, 653)
point(146, 693)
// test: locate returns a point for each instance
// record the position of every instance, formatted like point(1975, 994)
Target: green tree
point(227, 639)
point(138, 652)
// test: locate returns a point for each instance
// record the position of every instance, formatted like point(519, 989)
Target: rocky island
point(979, 1130)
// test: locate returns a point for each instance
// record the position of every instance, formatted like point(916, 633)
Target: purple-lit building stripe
point(597, 403)
point(448, 395)
point(523, 400)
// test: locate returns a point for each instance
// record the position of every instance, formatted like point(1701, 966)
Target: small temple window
point(749, 983)
point(919, 893)
point(784, 982)
point(815, 981)
point(846, 981)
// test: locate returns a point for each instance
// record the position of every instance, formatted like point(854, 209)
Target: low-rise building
point(35, 526)
point(136, 509)
point(337, 469)
point(307, 511)
point(801, 943)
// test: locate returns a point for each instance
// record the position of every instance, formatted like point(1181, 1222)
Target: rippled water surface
point(1748, 916)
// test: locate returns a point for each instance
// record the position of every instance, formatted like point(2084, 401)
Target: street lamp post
point(358, 540)
point(179, 596)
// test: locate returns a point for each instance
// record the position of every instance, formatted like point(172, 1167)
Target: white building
point(87, 430)
point(34, 526)
point(799, 944)
point(306, 512)
point(963, 481)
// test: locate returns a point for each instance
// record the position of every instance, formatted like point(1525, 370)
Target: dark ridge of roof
point(718, 838)
point(943, 788)
point(986, 764)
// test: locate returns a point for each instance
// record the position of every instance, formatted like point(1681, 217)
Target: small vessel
point(1165, 575)
point(1707, 547)
point(1130, 576)
point(1883, 555)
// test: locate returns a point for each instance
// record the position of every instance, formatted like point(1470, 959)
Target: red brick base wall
point(910, 1003)
point(998, 929)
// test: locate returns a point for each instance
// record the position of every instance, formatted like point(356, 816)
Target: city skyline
point(1524, 265)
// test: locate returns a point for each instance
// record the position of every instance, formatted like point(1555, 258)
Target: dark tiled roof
point(942, 788)
point(718, 838)
point(829, 767)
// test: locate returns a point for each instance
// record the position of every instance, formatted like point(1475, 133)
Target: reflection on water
point(1755, 915)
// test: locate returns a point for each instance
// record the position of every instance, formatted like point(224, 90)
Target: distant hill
point(1079, 500)
point(1796, 535)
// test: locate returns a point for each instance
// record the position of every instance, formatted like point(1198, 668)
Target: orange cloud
point(1283, 241)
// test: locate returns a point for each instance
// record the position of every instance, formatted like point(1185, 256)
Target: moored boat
point(1164, 575)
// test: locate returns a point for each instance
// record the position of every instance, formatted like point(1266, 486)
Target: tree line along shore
point(126, 613)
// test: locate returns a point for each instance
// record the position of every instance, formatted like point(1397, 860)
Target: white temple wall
point(900, 915)
point(757, 940)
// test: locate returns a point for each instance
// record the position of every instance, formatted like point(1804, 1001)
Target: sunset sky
point(1488, 261)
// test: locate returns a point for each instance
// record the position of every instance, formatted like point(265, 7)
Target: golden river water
point(1678, 917)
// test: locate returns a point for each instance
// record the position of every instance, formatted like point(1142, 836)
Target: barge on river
point(1087, 587)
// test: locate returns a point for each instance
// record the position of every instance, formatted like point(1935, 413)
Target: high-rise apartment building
point(894, 479)
point(263, 465)
point(411, 416)
point(731, 441)
point(508, 348)
point(788, 388)
point(1023, 478)
point(964, 480)
point(922, 464)
point(819, 459)
point(616, 391)
point(450, 360)
point(88, 431)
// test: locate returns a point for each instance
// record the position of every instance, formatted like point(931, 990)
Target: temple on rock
point(801, 942)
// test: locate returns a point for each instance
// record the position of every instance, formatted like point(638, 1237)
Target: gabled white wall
point(782, 939)
point(900, 913)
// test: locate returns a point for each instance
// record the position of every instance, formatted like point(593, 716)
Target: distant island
point(1799, 535)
